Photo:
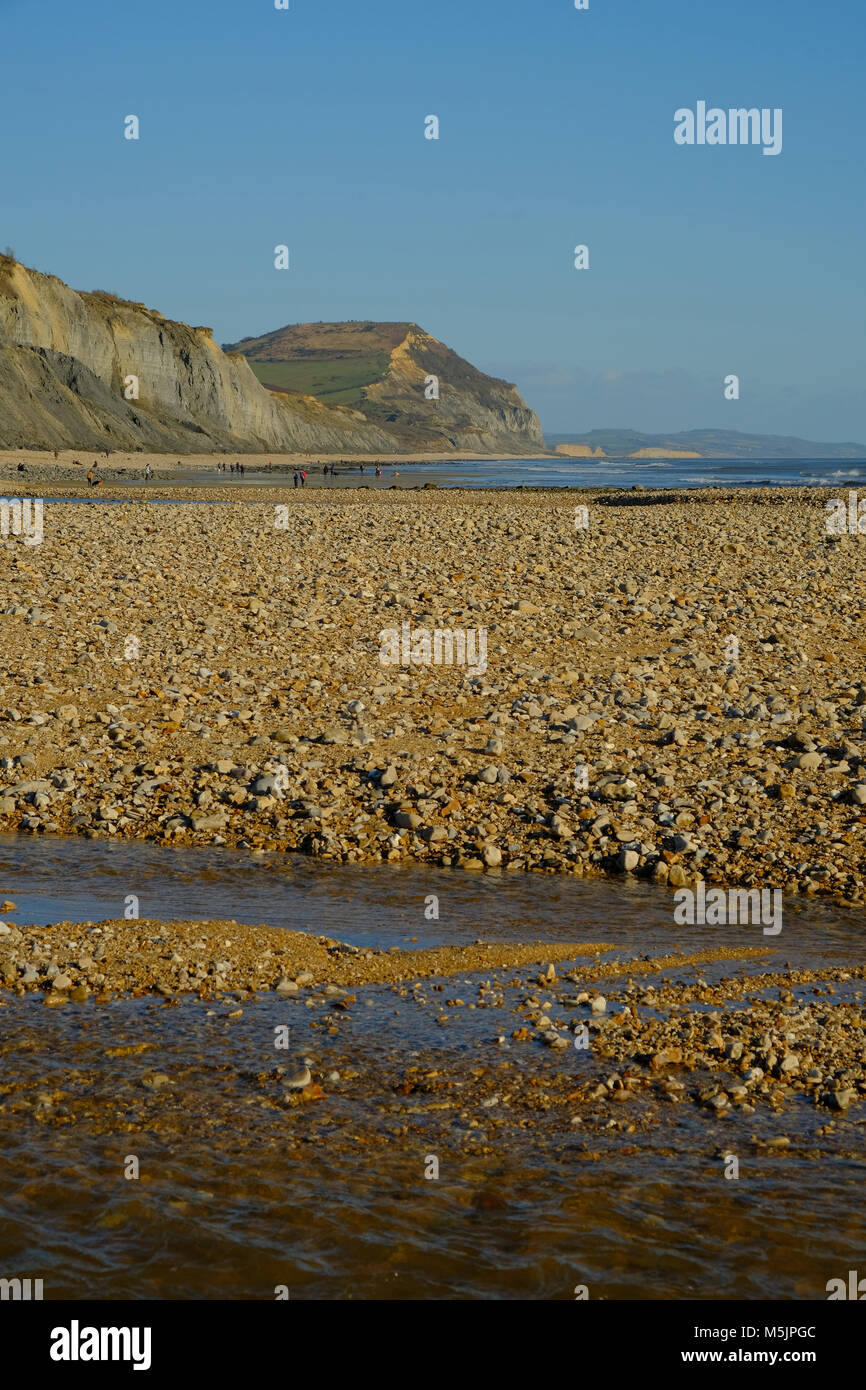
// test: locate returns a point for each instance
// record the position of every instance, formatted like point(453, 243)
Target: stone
point(809, 762)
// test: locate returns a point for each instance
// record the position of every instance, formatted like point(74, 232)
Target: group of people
point(300, 477)
point(232, 467)
point(333, 472)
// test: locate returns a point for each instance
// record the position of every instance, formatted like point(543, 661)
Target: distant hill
point(711, 444)
point(383, 371)
point(92, 370)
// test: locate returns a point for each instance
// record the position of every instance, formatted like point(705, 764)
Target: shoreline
point(747, 1051)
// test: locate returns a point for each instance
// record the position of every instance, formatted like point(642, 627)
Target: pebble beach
point(669, 695)
point(672, 690)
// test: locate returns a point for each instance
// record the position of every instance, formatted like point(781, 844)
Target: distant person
point(361, 466)
point(295, 479)
point(303, 478)
point(231, 468)
point(378, 471)
point(148, 471)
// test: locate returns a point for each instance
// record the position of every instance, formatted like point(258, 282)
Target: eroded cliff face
point(65, 358)
point(473, 410)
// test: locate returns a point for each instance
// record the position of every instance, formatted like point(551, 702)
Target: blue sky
point(306, 127)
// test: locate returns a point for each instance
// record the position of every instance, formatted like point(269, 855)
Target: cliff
point(384, 371)
point(65, 357)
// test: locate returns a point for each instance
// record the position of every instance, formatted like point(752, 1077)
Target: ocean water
point(651, 474)
point(582, 473)
point(238, 1193)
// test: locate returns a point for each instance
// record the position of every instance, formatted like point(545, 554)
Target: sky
point(305, 127)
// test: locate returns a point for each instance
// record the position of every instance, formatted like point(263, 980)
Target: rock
point(668, 1057)
point(599, 1004)
point(155, 1081)
point(267, 785)
point(627, 860)
point(61, 982)
point(298, 1080)
point(492, 856)
point(840, 1099)
point(584, 722)
point(809, 762)
point(218, 821)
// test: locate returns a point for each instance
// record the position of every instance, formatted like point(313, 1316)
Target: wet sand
point(399, 1132)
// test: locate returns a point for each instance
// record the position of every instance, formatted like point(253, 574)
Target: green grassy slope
point(338, 382)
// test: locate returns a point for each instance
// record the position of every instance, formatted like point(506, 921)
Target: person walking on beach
point(378, 471)
point(303, 478)
point(148, 471)
point(295, 479)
